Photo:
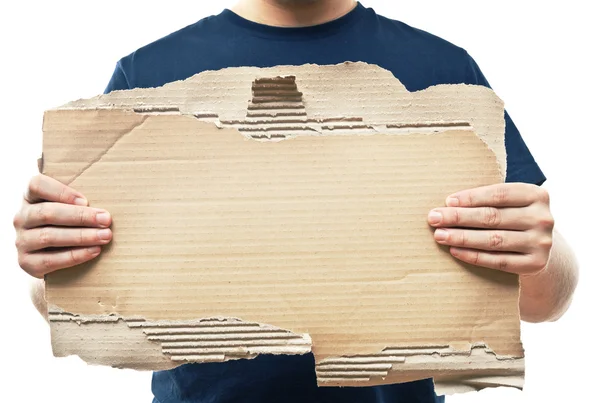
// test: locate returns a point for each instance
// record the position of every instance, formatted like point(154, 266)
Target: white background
point(540, 56)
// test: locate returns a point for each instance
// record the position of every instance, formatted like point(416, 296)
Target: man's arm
point(546, 296)
point(509, 227)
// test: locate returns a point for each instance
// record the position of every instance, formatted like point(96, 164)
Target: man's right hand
point(56, 229)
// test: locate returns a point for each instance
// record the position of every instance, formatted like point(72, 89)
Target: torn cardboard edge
point(275, 109)
point(223, 339)
point(266, 103)
point(204, 340)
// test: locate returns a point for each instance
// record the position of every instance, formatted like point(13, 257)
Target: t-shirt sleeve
point(118, 81)
point(521, 166)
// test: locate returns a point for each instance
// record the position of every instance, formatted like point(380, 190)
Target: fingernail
point(103, 219)
point(434, 217)
point(104, 234)
point(440, 235)
point(452, 201)
point(80, 201)
point(94, 250)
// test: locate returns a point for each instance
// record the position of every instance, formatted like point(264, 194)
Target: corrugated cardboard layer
point(228, 244)
point(315, 94)
point(125, 341)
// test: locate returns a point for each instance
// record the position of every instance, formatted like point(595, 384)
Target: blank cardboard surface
point(258, 212)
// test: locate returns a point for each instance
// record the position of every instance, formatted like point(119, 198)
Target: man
point(505, 227)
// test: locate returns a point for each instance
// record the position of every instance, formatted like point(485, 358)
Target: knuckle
point(46, 264)
point(81, 237)
point(502, 264)
point(45, 237)
point(464, 238)
point(459, 238)
point(28, 267)
point(470, 199)
point(543, 195)
point(36, 271)
point(19, 242)
point(545, 242)
point(82, 217)
point(538, 262)
point(63, 195)
point(456, 216)
point(73, 259)
point(35, 185)
point(496, 241)
point(491, 217)
point(17, 221)
point(23, 262)
point(500, 195)
point(547, 221)
point(42, 214)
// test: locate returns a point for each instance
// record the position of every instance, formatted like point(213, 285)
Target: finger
point(56, 237)
point(508, 218)
point(45, 188)
point(41, 263)
point(509, 262)
point(500, 195)
point(58, 214)
point(505, 241)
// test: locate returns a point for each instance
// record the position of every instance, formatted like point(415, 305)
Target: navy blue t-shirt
point(417, 58)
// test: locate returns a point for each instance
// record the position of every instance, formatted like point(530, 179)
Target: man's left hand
point(506, 227)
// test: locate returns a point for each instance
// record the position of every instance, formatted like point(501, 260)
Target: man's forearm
point(547, 295)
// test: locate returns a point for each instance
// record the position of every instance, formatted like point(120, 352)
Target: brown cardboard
point(279, 211)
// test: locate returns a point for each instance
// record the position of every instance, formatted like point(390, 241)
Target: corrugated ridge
point(210, 340)
point(366, 367)
point(206, 115)
point(274, 113)
point(230, 341)
point(175, 330)
point(272, 99)
point(276, 105)
point(156, 109)
point(446, 125)
point(268, 115)
point(219, 337)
